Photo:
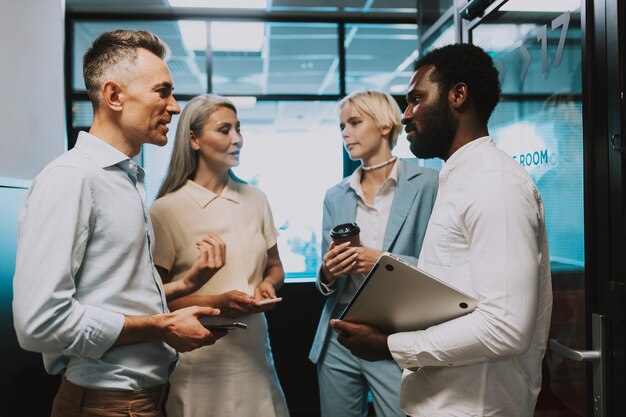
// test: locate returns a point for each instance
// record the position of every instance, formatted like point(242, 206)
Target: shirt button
point(132, 165)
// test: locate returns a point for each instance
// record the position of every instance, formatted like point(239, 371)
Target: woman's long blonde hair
point(184, 161)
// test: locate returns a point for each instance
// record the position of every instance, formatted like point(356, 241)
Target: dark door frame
point(607, 80)
point(604, 147)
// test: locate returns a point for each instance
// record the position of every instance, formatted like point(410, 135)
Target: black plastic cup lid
point(344, 230)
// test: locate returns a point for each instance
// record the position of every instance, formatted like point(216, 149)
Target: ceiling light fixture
point(237, 36)
point(540, 6)
point(225, 36)
point(220, 4)
point(193, 34)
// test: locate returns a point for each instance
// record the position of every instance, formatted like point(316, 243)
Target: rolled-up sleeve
point(53, 231)
point(500, 223)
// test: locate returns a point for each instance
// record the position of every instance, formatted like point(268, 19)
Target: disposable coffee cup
point(347, 232)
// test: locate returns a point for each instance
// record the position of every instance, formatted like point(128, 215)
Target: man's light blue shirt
point(84, 261)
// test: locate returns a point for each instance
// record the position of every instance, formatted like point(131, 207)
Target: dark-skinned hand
point(362, 340)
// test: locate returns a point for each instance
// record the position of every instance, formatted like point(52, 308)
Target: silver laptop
point(397, 297)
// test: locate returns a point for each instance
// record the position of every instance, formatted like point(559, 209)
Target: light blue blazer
point(412, 204)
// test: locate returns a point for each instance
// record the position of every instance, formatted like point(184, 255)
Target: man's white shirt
point(486, 237)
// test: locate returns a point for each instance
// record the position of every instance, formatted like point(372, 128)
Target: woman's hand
point(339, 260)
point(365, 259)
point(236, 303)
point(265, 291)
point(211, 258)
point(344, 259)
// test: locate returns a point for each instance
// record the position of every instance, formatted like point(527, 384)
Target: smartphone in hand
point(228, 326)
point(217, 323)
point(269, 301)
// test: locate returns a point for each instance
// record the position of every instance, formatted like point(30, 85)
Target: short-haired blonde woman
point(391, 200)
point(199, 196)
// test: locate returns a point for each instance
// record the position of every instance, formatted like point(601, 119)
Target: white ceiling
point(297, 57)
point(330, 6)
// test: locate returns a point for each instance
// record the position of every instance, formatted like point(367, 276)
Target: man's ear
point(111, 95)
point(458, 95)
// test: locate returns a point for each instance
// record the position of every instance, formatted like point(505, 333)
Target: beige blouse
point(240, 216)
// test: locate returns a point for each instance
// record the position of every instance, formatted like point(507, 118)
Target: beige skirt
point(234, 377)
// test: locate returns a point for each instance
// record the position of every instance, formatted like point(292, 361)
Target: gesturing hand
point(211, 257)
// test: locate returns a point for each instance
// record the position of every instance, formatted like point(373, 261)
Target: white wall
point(32, 113)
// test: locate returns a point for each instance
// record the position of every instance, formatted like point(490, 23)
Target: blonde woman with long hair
point(201, 196)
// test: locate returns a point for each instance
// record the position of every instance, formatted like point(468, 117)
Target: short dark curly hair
point(469, 64)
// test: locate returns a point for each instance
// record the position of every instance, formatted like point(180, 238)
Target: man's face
point(429, 122)
point(148, 103)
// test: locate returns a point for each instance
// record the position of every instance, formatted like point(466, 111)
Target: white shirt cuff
point(100, 330)
point(328, 288)
point(402, 350)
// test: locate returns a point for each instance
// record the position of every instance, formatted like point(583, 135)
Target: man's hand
point(364, 341)
point(211, 258)
point(184, 332)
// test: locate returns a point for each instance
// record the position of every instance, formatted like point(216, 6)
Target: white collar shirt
point(486, 237)
point(84, 261)
point(371, 218)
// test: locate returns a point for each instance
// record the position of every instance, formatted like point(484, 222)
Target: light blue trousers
point(345, 380)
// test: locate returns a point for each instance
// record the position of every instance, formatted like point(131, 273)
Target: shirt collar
point(104, 154)
point(354, 181)
point(203, 196)
point(458, 157)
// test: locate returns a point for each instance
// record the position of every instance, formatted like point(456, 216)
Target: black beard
point(437, 134)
